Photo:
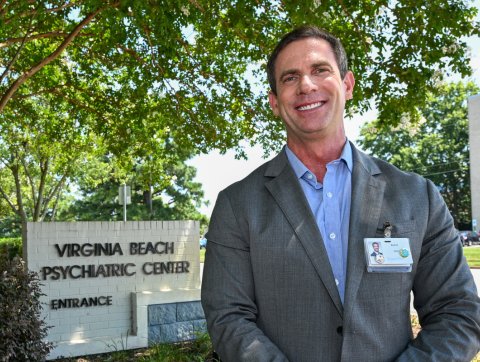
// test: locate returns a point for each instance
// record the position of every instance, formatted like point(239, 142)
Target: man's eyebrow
point(314, 65)
point(322, 64)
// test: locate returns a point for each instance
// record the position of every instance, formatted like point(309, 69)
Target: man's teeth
point(310, 106)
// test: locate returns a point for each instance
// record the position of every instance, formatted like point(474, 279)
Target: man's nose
point(306, 85)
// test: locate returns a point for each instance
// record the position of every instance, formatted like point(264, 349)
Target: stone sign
point(101, 279)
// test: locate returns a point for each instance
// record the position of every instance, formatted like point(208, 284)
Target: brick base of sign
point(175, 322)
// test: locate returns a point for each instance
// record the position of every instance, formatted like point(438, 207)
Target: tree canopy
point(158, 81)
point(195, 69)
point(437, 147)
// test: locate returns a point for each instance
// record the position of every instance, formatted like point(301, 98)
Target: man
point(376, 249)
point(377, 255)
point(285, 275)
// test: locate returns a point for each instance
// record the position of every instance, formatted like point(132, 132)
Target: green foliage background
point(436, 147)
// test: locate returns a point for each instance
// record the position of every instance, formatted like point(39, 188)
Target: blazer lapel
point(287, 192)
point(366, 205)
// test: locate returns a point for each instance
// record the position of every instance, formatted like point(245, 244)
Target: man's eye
point(289, 78)
point(321, 70)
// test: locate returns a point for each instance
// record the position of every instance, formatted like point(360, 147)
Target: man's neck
point(316, 155)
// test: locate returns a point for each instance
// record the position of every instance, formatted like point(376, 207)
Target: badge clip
point(387, 229)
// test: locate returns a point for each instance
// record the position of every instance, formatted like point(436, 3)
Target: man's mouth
point(310, 106)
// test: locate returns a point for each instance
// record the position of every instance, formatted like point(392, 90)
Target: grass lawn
point(473, 256)
point(202, 255)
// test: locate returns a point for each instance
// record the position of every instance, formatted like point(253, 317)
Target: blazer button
point(340, 330)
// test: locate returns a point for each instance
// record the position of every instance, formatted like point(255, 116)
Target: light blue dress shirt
point(330, 205)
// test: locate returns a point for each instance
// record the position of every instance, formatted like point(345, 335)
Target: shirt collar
point(299, 168)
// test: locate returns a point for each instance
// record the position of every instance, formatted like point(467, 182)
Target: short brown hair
point(304, 32)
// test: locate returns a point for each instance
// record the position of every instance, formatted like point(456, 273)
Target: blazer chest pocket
point(399, 229)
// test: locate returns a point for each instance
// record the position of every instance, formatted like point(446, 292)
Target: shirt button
point(337, 282)
point(332, 236)
point(329, 194)
point(309, 176)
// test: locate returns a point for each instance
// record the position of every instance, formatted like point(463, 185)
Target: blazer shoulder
point(257, 178)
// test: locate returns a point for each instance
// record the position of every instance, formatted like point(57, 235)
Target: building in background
point(474, 140)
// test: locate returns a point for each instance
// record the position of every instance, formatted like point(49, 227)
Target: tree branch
point(55, 192)
point(79, 104)
point(20, 80)
point(131, 52)
point(18, 190)
point(355, 23)
point(34, 12)
point(197, 5)
point(17, 53)
point(53, 34)
point(44, 167)
point(2, 6)
point(9, 202)
point(24, 148)
point(30, 179)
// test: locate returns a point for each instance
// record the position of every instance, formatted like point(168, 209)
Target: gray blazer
point(269, 294)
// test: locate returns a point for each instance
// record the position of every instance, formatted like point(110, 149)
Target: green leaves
point(436, 147)
point(192, 57)
point(169, 196)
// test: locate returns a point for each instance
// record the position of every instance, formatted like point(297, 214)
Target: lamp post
point(124, 198)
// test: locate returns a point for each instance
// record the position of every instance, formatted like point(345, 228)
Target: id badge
point(388, 255)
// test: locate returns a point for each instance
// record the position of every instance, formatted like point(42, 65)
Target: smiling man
point(285, 275)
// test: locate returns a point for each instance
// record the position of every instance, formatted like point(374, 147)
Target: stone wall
point(175, 322)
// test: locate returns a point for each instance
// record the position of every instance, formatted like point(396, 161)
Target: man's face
point(375, 247)
point(311, 94)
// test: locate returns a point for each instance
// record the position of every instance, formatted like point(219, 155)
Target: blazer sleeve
point(228, 293)
point(445, 295)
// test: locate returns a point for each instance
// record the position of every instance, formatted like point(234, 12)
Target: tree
point(40, 161)
point(177, 197)
point(437, 147)
point(192, 57)
point(38, 156)
point(129, 78)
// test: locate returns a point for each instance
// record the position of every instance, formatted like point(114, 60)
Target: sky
point(215, 172)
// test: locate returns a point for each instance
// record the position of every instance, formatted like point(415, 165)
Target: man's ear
point(349, 82)
point(272, 99)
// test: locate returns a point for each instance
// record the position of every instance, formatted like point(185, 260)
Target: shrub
point(10, 226)
point(21, 328)
point(10, 247)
